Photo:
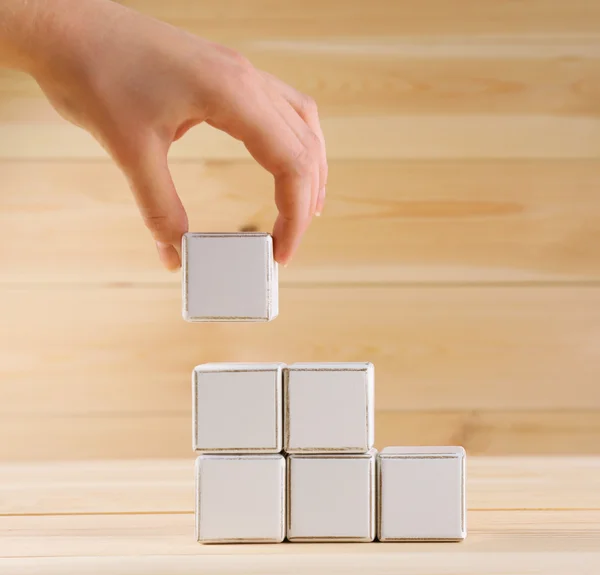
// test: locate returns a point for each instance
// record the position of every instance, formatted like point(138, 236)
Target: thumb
point(160, 206)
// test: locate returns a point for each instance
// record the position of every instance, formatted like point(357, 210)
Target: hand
point(137, 85)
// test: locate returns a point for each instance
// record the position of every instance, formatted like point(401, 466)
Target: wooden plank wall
point(459, 249)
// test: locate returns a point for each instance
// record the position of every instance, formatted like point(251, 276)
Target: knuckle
point(234, 56)
point(230, 54)
point(243, 68)
point(241, 61)
point(308, 106)
point(303, 161)
point(165, 226)
point(162, 227)
point(233, 75)
point(243, 81)
point(313, 145)
point(157, 223)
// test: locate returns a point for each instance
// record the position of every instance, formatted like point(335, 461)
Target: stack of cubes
point(287, 452)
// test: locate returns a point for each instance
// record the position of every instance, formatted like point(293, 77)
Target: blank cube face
point(240, 499)
point(229, 277)
point(237, 408)
point(329, 407)
point(331, 497)
point(421, 494)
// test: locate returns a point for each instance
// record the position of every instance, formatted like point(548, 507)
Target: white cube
point(329, 408)
point(229, 277)
point(331, 497)
point(237, 408)
point(421, 494)
point(240, 499)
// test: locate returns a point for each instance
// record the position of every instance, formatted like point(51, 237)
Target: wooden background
point(459, 249)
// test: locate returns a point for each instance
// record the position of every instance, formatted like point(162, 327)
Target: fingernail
point(168, 256)
point(317, 214)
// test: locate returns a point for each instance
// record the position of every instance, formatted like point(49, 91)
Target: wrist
point(50, 39)
point(44, 37)
point(17, 22)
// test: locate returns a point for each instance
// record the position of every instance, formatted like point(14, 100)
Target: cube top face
point(229, 277)
point(331, 497)
point(408, 451)
point(237, 408)
point(332, 366)
point(240, 499)
point(421, 494)
point(329, 408)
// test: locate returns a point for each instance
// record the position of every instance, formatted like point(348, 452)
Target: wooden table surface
point(526, 515)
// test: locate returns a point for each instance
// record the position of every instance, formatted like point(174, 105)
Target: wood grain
point(401, 76)
point(156, 486)
point(530, 513)
point(384, 221)
point(458, 250)
point(406, 77)
point(564, 558)
point(484, 80)
point(314, 18)
point(121, 435)
point(494, 432)
point(364, 137)
point(102, 350)
point(137, 536)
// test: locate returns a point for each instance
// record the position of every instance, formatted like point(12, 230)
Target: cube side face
point(370, 382)
point(331, 498)
point(237, 408)
point(421, 497)
point(240, 499)
point(328, 408)
point(228, 277)
point(273, 286)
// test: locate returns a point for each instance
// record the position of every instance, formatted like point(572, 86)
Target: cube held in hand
point(229, 277)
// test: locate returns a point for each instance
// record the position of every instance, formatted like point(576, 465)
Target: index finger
point(306, 108)
point(283, 144)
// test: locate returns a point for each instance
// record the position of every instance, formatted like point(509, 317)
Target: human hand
point(137, 85)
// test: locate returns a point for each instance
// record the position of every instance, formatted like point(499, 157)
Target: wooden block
point(421, 494)
point(329, 407)
point(229, 277)
point(240, 498)
point(237, 407)
point(331, 497)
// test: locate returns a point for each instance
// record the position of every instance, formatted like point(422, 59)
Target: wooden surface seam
point(526, 513)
